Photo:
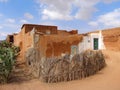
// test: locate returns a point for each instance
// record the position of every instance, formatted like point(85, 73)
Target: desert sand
point(106, 79)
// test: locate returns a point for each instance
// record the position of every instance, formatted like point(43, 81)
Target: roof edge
point(36, 25)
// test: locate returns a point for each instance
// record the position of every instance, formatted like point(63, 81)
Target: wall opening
point(74, 50)
point(12, 39)
point(48, 32)
point(95, 43)
point(21, 46)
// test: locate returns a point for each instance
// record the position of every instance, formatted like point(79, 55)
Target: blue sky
point(83, 15)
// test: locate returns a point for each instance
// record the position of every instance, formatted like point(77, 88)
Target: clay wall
point(111, 38)
point(73, 32)
point(18, 42)
point(41, 28)
point(17, 39)
point(55, 45)
point(22, 43)
point(65, 32)
point(28, 40)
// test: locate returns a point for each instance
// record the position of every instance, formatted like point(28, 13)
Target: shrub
point(8, 54)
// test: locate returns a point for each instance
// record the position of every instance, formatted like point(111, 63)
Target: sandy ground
point(106, 79)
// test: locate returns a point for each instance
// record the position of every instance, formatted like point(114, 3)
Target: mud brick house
point(48, 40)
point(51, 42)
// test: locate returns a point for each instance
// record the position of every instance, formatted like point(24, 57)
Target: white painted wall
point(85, 44)
point(88, 42)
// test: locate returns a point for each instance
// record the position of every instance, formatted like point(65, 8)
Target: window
point(48, 32)
point(11, 39)
point(89, 41)
point(74, 49)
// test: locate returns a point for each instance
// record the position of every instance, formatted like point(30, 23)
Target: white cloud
point(85, 13)
point(56, 9)
point(111, 19)
point(23, 21)
point(47, 23)
point(10, 20)
point(28, 16)
point(54, 15)
point(86, 8)
point(93, 23)
point(3, 0)
point(62, 9)
point(3, 35)
point(109, 1)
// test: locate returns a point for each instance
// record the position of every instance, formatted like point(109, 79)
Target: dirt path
point(107, 79)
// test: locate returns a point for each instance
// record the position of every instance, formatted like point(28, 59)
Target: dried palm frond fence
point(52, 70)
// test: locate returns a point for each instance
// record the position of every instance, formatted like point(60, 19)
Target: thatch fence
point(52, 70)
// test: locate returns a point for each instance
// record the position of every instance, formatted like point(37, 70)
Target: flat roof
point(36, 25)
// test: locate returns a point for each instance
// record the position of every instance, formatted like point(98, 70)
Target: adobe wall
point(18, 42)
point(65, 32)
point(41, 28)
point(28, 40)
point(17, 39)
point(55, 45)
point(24, 41)
point(111, 38)
point(73, 32)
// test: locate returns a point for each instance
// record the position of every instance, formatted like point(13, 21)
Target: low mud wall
point(52, 70)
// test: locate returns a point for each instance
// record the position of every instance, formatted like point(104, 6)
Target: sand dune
point(107, 79)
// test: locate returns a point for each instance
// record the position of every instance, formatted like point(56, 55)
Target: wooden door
point(95, 44)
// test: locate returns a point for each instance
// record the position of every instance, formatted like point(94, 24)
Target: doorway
point(95, 44)
point(74, 50)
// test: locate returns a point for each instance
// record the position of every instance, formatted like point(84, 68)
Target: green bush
point(8, 54)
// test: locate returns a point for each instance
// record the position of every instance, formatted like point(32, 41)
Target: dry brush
point(52, 70)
